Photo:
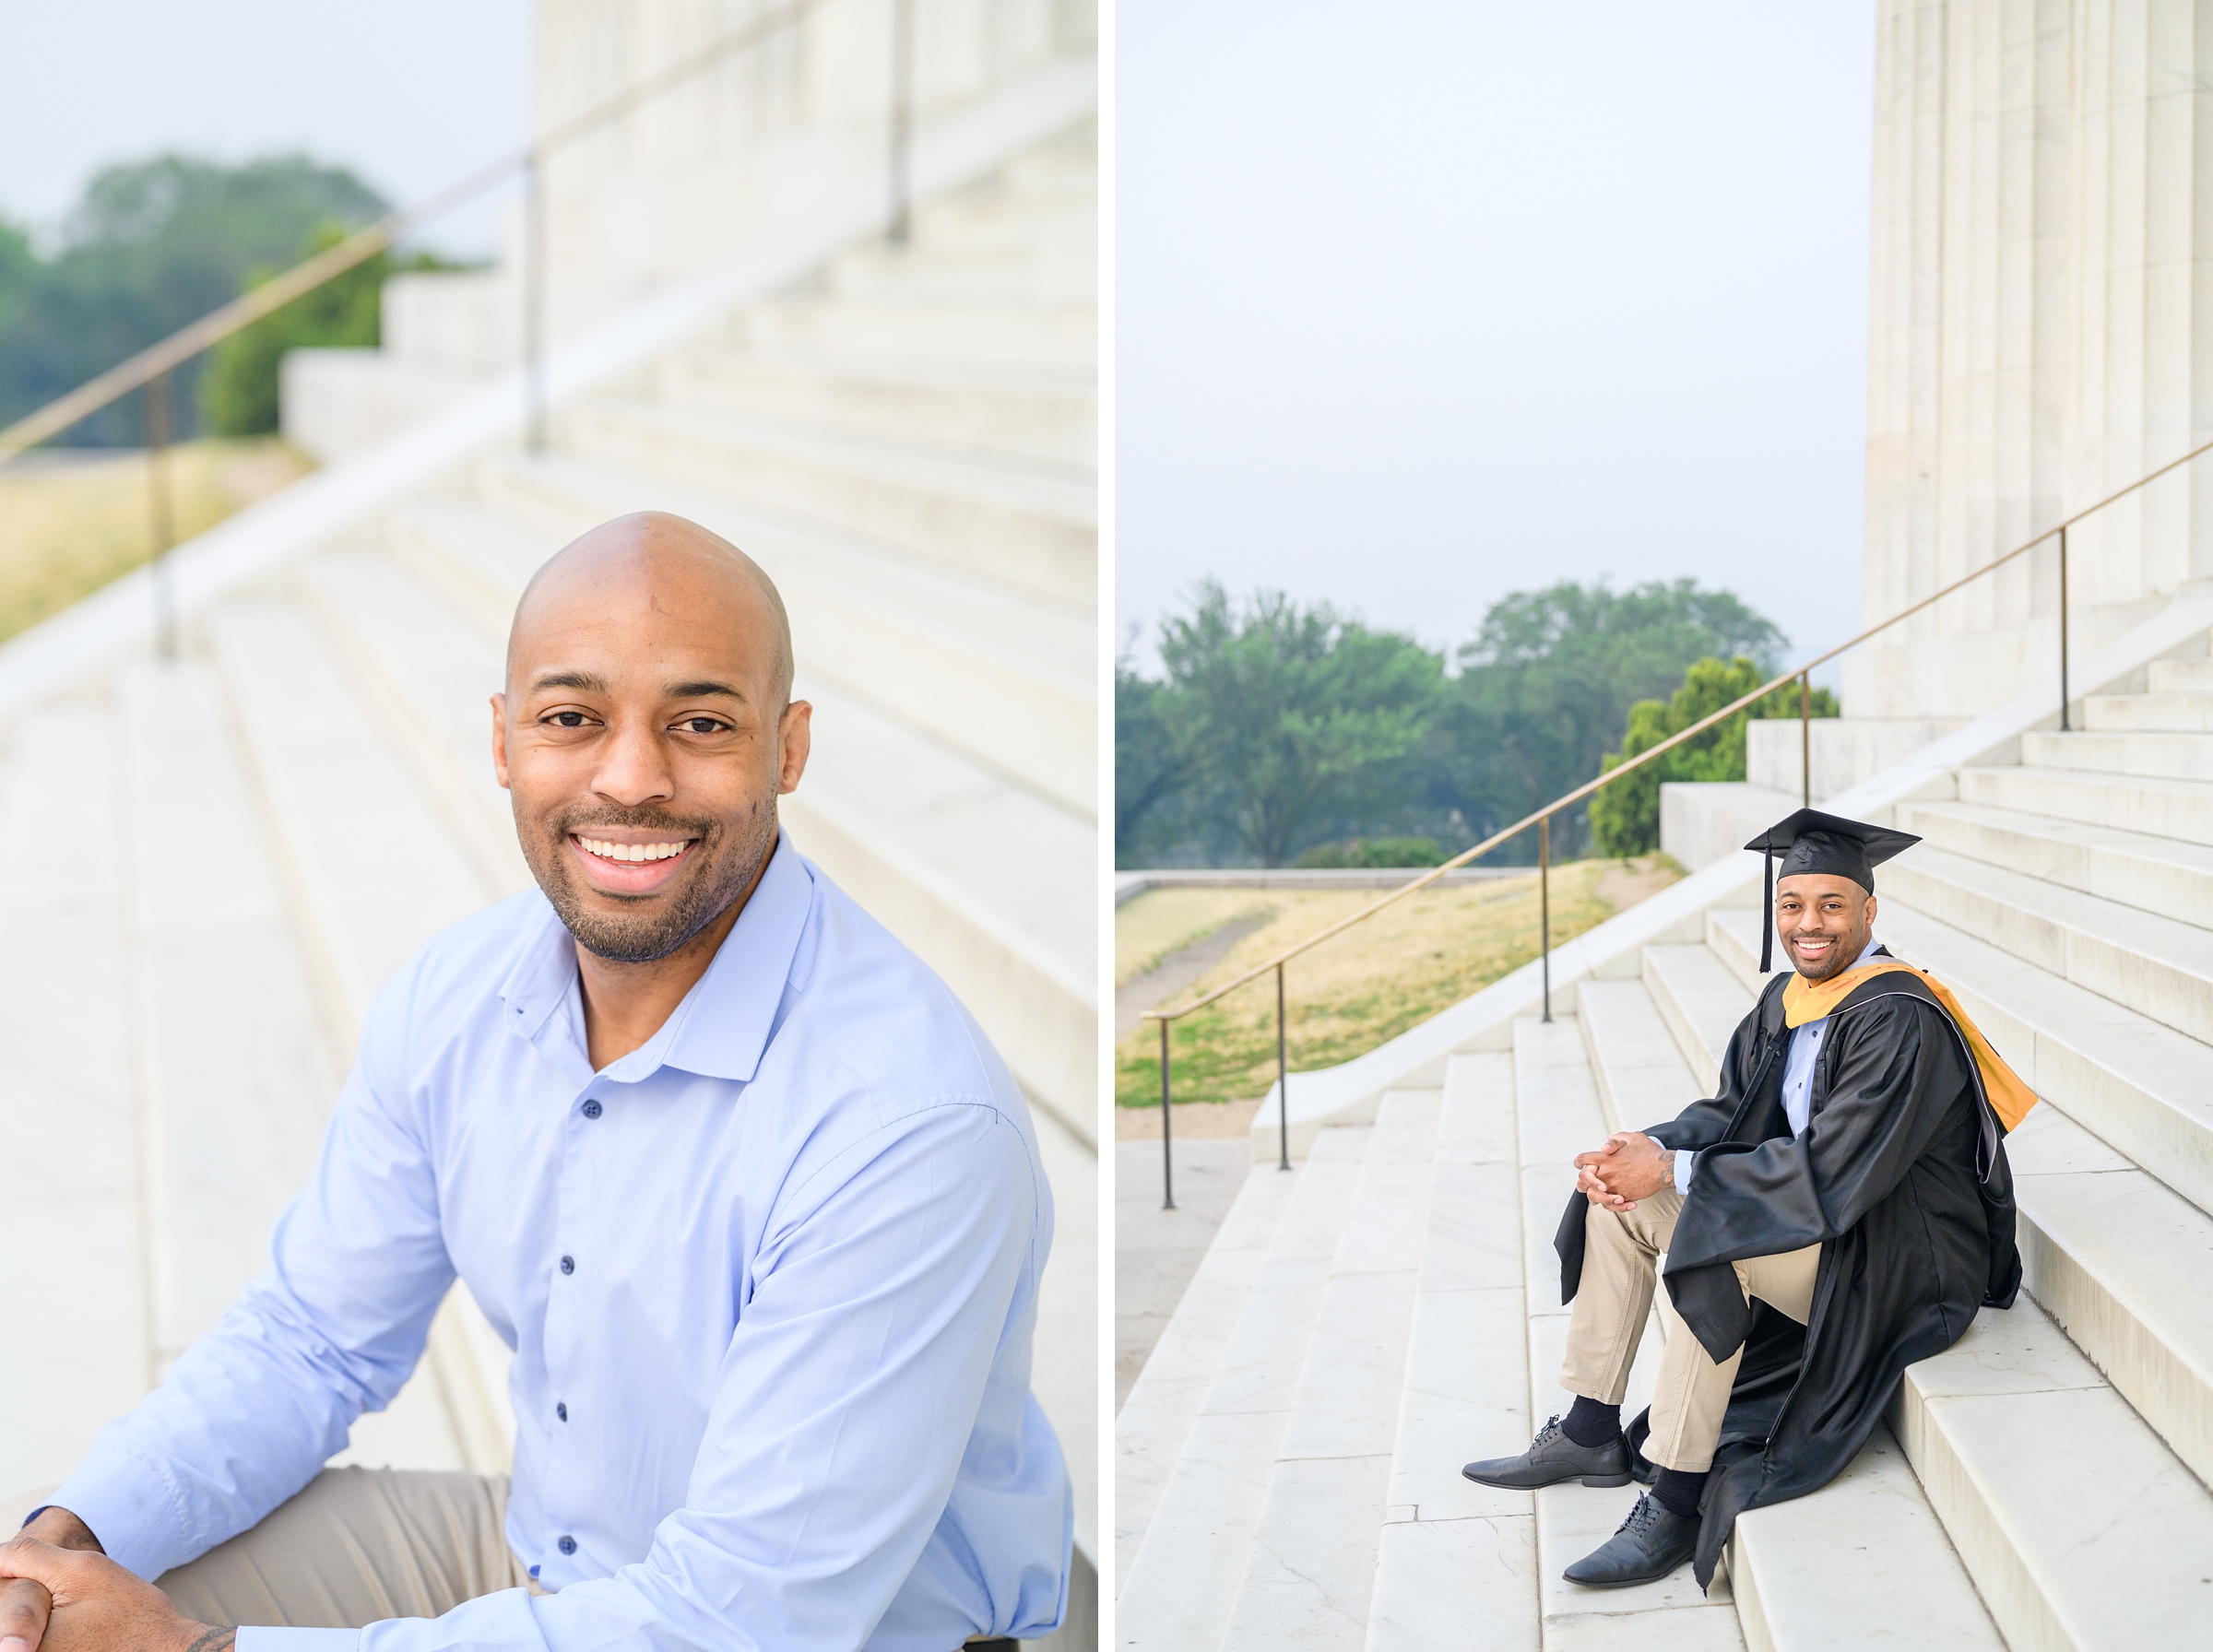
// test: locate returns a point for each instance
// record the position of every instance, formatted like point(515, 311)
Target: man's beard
point(729, 864)
point(1843, 952)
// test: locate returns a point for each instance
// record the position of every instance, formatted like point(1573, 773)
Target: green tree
point(1625, 816)
point(1302, 717)
point(1544, 689)
point(237, 391)
point(152, 245)
point(1149, 769)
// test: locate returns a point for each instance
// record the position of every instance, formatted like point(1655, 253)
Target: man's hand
point(1633, 1167)
point(95, 1606)
point(1586, 1182)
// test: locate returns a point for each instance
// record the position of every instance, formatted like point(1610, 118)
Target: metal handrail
point(1542, 819)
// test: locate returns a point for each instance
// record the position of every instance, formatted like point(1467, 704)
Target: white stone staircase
point(1293, 1480)
point(207, 866)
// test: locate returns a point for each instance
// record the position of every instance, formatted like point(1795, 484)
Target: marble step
point(1454, 1560)
point(1310, 1569)
point(1032, 528)
point(966, 409)
point(1701, 1001)
point(1003, 676)
point(1155, 1421)
point(1177, 1593)
point(2180, 677)
point(2150, 755)
point(72, 1211)
point(1041, 331)
point(2113, 1255)
point(2160, 875)
point(2176, 808)
point(1635, 1057)
point(2157, 966)
point(2080, 1526)
point(986, 880)
point(2184, 713)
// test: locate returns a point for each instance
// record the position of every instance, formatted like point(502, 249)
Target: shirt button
point(568, 1264)
point(567, 1545)
point(591, 1109)
point(562, 1410)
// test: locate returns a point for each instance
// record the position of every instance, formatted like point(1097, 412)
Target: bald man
point(750, 1195)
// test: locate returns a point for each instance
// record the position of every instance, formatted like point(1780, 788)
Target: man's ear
point(499, 739)
point(794, 740)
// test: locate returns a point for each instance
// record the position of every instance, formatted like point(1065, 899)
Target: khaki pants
point(357, 1546)
point(1621, 1254)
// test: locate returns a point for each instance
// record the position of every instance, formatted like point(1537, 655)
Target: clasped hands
point(60, 1593)
point(1630, 1167)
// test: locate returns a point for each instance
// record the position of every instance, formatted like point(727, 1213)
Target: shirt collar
point(723, 1025)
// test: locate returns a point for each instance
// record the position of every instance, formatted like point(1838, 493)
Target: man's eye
point(569, 719)
point(704, 724)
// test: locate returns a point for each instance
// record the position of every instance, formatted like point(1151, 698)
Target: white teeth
point(630, 852)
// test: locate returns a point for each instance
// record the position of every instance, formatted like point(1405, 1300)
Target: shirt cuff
point(124, 1505)
point(1685, 1164)
point(298, 1640)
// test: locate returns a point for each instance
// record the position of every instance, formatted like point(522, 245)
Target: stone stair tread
point(1806, 1575)
point(2164, 875)
point(238, 1071)
point(1310, 1567)
point(896, 368)
point(2056, 1495)
point(2169, 713)
point(70, 1193)
point(1179, 1589)
point(1029, 486)
point(1155, 1419)
point(1642, 1078)
point(1701, 1001)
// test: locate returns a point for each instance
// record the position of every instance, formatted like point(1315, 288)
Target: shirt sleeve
point(1685, 1163)
point(331, 1329)
point(298, 1640)
point(848, 1400)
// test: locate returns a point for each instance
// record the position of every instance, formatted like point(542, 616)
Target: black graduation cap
point(1810, 841)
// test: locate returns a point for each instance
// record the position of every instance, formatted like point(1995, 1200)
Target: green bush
point(1625, 816)
point(238, 393)
point(1376, 851)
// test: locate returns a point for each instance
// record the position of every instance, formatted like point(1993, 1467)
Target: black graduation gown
point(1900, 1177)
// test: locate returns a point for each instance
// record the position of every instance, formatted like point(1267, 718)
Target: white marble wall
point(2043, 222)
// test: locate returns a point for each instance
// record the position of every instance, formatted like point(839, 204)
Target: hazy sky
point(1422, 301)
point(409, 93)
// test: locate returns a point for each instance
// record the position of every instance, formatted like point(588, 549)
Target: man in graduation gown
point(1838, 1211)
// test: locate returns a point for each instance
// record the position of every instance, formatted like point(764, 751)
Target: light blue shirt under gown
point(779, 1267)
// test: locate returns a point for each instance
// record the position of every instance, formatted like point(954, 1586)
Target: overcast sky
point(409, 93)
point(1422, 301)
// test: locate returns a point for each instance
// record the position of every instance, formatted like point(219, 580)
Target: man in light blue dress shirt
point(751, 1195)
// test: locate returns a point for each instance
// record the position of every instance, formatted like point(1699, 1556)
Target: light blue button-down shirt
point(1804, 1050)
point(783, 1277)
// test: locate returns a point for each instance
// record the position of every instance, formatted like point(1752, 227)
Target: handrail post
point(1544, 905)
point(2062, 629)
point(1806, 737)
point(1167, 1158)
point(163, 517)
point(534, 302)
point(902, 118)
point(1283, 1080)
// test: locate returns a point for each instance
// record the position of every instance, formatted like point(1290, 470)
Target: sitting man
point(1840, 1210)
point(756, 1205)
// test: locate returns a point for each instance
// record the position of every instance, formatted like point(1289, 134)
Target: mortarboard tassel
point(1767, 907)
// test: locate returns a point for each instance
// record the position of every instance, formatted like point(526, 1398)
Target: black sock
point(1679, 1492)
point(1589, 1423)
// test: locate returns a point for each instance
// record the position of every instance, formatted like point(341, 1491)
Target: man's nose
point(635, 768)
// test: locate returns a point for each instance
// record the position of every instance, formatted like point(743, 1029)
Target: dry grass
point(69, 525)
point(1357, 990)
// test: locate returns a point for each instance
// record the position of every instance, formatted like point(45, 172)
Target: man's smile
point(628, 865)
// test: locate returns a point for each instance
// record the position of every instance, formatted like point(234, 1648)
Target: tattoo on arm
point(215, 1640)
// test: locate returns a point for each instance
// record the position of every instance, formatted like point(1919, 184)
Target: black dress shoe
point(1553, 1458)
point(1651, 1542)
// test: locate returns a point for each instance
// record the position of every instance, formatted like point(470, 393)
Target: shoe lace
point(1640, 1517)
point(1550, 1431)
